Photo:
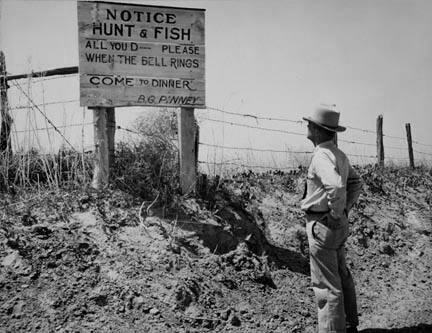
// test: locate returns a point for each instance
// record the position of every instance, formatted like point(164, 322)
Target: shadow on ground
point(422, 328)
point(237, 226)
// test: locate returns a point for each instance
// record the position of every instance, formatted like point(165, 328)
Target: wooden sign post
point(139, 55)
point(187, 143)
point(101, 159)
point(111, 129)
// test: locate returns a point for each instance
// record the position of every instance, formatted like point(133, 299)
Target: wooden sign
point(135, 55)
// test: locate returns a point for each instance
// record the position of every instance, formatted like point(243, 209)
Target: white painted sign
point(133, 55)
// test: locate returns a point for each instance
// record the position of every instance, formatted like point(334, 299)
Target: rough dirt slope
point(234, 259)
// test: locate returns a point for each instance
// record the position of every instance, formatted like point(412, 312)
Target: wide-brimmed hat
point(327, 119)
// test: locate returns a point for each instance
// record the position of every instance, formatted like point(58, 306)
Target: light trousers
point(331, 280)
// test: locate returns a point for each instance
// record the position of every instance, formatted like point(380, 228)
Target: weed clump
point(32, 168)
point(148, 166)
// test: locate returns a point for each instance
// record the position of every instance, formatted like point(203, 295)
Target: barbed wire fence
point(361, 152)
point(50, 124)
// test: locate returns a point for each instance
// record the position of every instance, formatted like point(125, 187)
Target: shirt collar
point(325, 144)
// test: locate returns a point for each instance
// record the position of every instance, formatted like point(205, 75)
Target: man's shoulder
point(333, 153)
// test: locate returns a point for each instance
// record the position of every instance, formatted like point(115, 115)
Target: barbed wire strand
point(255, 149)
point(361, 129)
point(254, 127)
point(255, 116)
point(420, 152)
point(360, 155)
point(396, 148)
point(49, 121)
point(44, 104)
point(220, 121)
point(282, 119)
point(302, 121)
point(274, 151)
point(38, 79)
point(421, 144)
point(41, 78)
point(247, 165)
point(128, 130)
point(277, 130)
point(52, 128)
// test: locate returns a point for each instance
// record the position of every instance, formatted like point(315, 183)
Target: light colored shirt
point(332, 184)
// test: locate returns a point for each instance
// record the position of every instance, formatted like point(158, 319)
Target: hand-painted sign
point(140, 55)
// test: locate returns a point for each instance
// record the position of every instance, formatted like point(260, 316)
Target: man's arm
point(354, 187)
point(326, 171)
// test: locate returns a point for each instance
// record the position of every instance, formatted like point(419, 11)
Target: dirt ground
point(234, 259)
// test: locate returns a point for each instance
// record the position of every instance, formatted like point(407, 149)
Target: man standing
point(332, 189)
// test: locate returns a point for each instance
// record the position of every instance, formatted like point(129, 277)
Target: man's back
point(332, 184)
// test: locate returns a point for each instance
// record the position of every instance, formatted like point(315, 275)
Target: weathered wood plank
point(188, 156)
point(153, 96)
point(49, 72)
point(101, 158)
point(135, 45)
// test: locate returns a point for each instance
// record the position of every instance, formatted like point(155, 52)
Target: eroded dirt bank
point(236, 259)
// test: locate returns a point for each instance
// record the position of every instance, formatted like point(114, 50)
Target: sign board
point(133, 55)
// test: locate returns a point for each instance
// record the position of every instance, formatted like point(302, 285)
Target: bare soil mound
point(234, 258)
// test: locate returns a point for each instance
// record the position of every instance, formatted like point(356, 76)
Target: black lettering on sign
point(184, 63)
point(179, 100)
point(123, 46)
point(100, 58)
point(180, 49)
point(153, 61)
point(112, 81)
point(112, 29)
point(127, 60)
point(172, 83)
point(140, 16)
point(146, 100)
point(172, 33)
point(96, 45)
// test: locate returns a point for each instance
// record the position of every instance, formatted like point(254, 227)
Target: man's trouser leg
point(350, 301)
point(325, 254)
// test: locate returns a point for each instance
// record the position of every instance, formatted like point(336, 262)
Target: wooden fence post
point(410, 148)
point(188, 160)
point(380, 141)
point(101, 159)
point(6, 119)
point(111, 128)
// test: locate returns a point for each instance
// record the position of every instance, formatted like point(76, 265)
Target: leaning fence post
point(410, 148)
point(187, 139)
point(101, 159)
point(6, 119)
point(380, 141)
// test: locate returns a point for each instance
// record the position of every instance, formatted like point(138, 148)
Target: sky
point(274, 58)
